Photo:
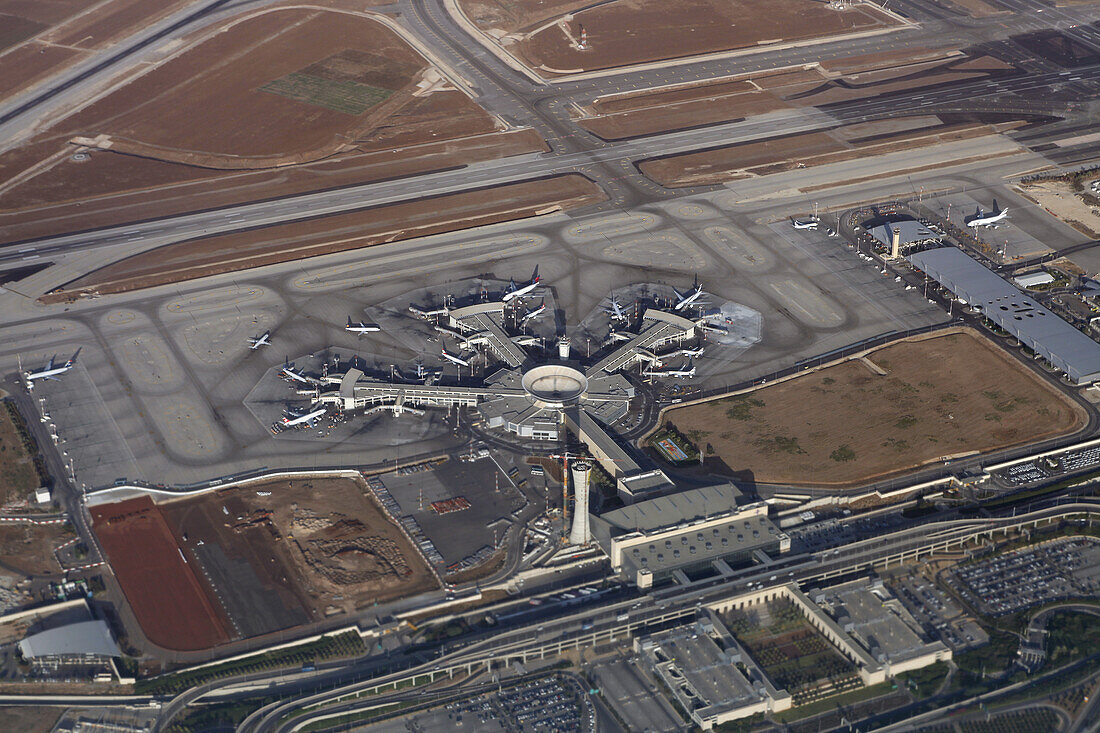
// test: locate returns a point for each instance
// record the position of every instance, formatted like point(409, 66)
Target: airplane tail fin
point(72, 359)
point(535, 275)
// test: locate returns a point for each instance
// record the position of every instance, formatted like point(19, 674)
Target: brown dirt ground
point(28, 719)
point(62, 33)
point(516, 15)
point(219, 82)
point(339, 232)
point(18, 477)
point(711, 105)
point(43, 192)
point(941, 396)
point(28, 548)
point(783, 154)
point(885, 59)
point(626, 32)
point(111, 188)
point(174, 607)
point(332, 544)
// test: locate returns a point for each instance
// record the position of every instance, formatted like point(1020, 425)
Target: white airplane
point(361, 328)
point(293, 418)
point(290, 375)
point(427, 376)
point(533, 313)
point(687, 372)
point(619, 336)
point(263, 340)
point(50, 371)
point(688, 298)
point(515, 292)
point(697, 351)
point(983, 219)
point(810, 223)
point(454, 359)
point(615, 310)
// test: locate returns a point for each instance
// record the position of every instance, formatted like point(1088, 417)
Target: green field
point(338, 95)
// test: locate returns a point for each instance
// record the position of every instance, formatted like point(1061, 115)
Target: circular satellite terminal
point(555, 385)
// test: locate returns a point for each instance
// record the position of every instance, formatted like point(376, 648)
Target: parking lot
point(936, 612)
point(633, 695)
point(1067, 568)
point(555, 704)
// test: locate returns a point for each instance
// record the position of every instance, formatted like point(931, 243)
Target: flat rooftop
point(1004, 304)
point(665, 512)
point(909, 231)
point(877, 620)
point(688, 658)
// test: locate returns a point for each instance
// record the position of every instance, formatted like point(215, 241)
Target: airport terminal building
point(669, 536)
point(1060, 344)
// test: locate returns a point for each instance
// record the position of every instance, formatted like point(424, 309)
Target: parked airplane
point(693, 352)
point(804, 223)
point(615, 310)
point(687, 372)
point(290, 375)
point(49, 372)
point(454, 359)
point(263, 340)
point(983, 219)
point(361, 328)
point(427, 376)
point(292, 417)
point(519, 292)
point(688, 298)
point(533, 313)
point(619, 336)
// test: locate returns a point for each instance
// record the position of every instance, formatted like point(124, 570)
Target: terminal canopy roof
point(1004, 304)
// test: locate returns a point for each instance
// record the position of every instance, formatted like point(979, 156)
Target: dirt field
point(41, 38)
point(338, 233)
point(18, 475)
point(839, 80)
point(1060, 200)
point(627, 32)
point(292, 100)
point(285, 86)
point(173, 605)
point(679, 109)
point(28, 548)
point(944, 396)
point(300, 550)
point(796, 151)
point(131, 188)
point(28, 719)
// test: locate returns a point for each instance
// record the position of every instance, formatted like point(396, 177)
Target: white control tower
point(580, 534)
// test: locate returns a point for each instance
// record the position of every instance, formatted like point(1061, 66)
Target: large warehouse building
point(1062, 345)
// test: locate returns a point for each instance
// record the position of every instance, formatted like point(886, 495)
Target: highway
point(631, 614)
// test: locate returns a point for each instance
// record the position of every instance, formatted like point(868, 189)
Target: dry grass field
point(847, 424)
point(18, 475)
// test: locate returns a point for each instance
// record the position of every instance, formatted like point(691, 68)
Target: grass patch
point(741, 407)
point(843, 454)
point(338, 95)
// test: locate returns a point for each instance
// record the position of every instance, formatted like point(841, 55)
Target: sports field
point(906, 405)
